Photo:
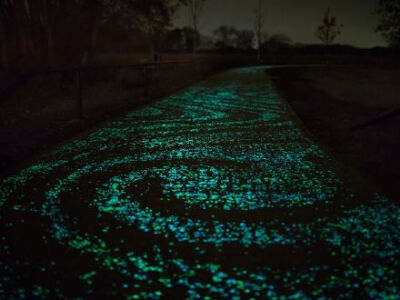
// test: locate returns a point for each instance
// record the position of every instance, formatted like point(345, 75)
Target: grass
point(332, 99)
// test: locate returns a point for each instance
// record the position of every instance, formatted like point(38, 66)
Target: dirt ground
point(330, 100)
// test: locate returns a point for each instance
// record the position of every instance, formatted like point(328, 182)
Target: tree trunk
point(258, 47)
point(3, 41)
point(4, 56)
point(152, 51)
point(259, 23)
point(194, 37)
point(92, 43)
point(22, 30)
point(48, 17)
point(50, 47)
point(151, 41)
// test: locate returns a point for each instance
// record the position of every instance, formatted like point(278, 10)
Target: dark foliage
point(70, 32)
point(228, 37)
point(389, 23)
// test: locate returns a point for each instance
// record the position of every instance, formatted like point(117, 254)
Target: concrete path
point(216, 191)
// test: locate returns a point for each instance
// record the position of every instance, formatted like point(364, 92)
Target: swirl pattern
point(213, 192)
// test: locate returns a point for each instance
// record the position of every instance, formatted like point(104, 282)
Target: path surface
point(214, 191)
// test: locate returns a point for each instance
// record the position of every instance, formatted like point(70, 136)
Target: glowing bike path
point(213, 192)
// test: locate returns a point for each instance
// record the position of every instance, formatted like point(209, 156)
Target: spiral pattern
point(213, 192)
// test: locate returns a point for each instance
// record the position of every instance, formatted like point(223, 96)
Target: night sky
point(296, 18)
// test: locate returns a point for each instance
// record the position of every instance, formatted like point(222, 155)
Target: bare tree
point(195, 8)
point(31, 27)
point(329, 30)
point(27, 25)
point(153, 17)
point(259, 24)
point(4, 23)
point(96, 13)
point(50, 32)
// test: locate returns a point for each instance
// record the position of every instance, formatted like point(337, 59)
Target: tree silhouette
point(259, 24)
point(51, 32)
point(32, 30)
point(96, 12)
point(244, 39)
point(195, 8)
point(27, 28)
point(278, 42)
point(5, 20)
point(329, 30)
point(153, 17)
point(389, 23)
point(225, 37)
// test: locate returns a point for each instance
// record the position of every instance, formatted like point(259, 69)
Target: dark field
point(330, 100)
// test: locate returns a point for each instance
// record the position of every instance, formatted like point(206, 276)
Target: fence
point(39, 109)
point(88, 88)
